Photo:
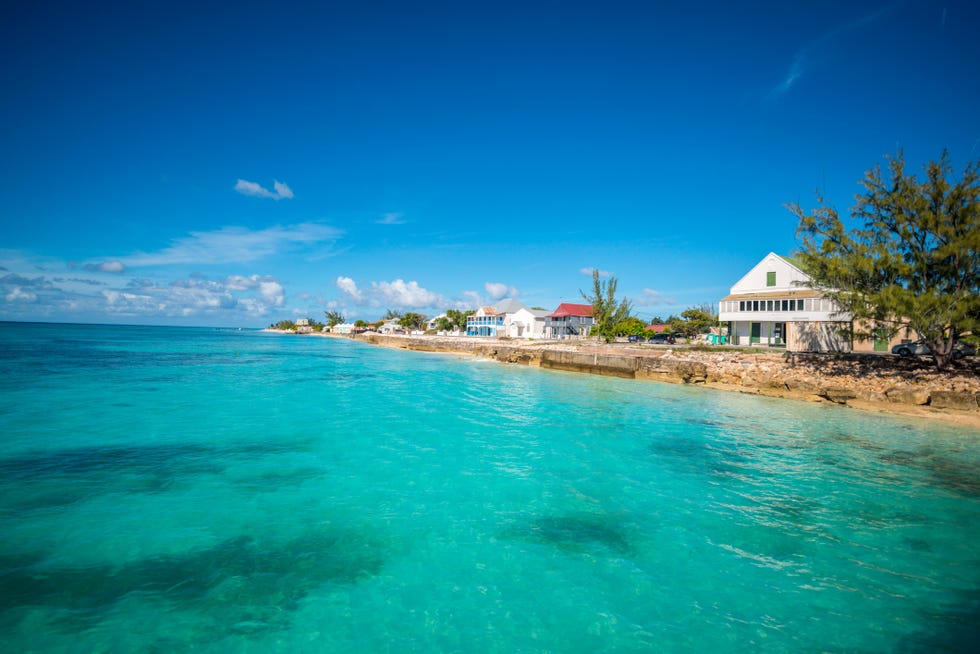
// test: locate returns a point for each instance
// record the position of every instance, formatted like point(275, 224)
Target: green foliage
point(361, 323)
point(632, 326)
point(391, 314)
point(284, 325)
point(457, 319)
point(412, 320)
point(444, 324)
point(698, 320)
point(914, 261)
point(333, 318)
point(608, 313)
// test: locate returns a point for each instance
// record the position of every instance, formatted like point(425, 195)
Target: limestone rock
point(838, 394)
point(908, 395)
point(954, 400)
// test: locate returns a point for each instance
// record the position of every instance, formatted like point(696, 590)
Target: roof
point(568, 309)
point(508, 305)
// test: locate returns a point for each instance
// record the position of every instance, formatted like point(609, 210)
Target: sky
point(218, 164)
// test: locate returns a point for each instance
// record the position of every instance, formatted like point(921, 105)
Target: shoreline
point(862, 381)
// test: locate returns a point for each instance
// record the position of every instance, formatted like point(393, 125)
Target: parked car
point(663, 339)
point(633, 338)
point(960, 349)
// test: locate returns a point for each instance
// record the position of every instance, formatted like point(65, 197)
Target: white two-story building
point(771, 305)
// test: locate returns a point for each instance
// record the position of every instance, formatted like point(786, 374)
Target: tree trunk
point(942, 353)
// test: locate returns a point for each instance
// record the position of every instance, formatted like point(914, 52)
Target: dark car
point(662, 339)
point(633, 338)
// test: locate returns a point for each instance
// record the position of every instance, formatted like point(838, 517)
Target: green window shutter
point(770, 279)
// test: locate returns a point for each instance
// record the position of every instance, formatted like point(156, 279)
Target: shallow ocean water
point(175, 489)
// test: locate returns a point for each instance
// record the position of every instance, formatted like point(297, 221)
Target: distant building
point(526, 323)
point(391, 327)
point(507, 318)
point(569, 321)
point(303, 326)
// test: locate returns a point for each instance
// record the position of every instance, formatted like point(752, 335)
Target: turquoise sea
point(206, 490)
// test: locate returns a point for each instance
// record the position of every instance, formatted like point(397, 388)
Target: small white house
point(526, 323)
point(771, 305)
point(391, 327)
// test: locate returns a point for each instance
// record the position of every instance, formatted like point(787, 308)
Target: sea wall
point(858, 380)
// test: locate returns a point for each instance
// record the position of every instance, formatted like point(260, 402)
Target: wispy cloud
point(652, 298)
point(235, 245)
point(588, 272)
point(106, 266)
point(391, 219)
point(807, 56)
point(253, 189)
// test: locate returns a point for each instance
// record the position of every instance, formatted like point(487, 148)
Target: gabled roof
point(568, 309)
point(508, 305)
point(789, 276)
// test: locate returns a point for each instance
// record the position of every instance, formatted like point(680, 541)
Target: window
point(771, 278)
point(755, 305)
point(768, 305)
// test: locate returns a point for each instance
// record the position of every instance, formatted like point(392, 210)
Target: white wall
point(755, 280)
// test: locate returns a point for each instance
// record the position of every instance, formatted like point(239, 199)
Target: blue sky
point(234, 165)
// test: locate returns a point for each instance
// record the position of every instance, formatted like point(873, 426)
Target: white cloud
point(408, 295)
point(283, 190)
point(588, 271)
point(395, 294)
point(255, 190)
point(391, 219)
point(272, 292)
point(235, 245)
point(498, 291)
point(349, 288)
point(17, 294)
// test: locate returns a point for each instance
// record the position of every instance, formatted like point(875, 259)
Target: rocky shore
point(869, 382)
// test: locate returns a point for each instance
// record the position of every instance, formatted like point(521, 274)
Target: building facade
point(772, 306)
point(508, 318)
point(569, 321)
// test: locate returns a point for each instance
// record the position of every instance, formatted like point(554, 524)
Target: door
point(881, 340)
point(779, 334)
point(755, 331)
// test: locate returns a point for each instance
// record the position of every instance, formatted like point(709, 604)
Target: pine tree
point(915, 260)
